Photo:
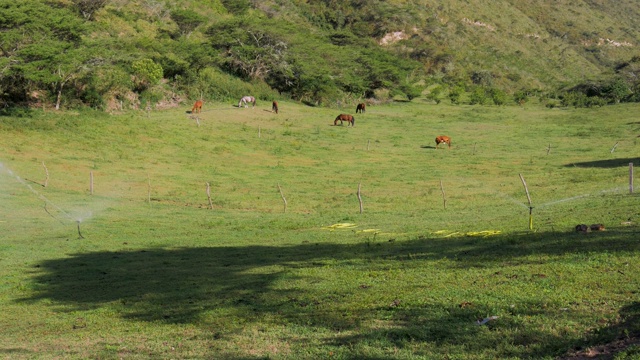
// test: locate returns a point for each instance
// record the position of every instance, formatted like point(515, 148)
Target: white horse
point(246, 100)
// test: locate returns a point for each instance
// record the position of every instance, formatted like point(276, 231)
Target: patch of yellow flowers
point(483, 233)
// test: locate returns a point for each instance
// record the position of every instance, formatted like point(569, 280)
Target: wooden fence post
point(360, 197)
point(526, 189)
point(630, 178)
point(614, 146)
point(91, 182)
point(284, 200)
point(444, 199)
point(209, 196)
point(46, 180)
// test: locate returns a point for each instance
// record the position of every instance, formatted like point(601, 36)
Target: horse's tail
point(353, 121)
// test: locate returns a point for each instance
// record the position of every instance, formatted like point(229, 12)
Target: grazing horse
point(197, 107)
point(246, 100)
point(361, 108)
point(345, 117)
point(274, 107)
point(443, 139)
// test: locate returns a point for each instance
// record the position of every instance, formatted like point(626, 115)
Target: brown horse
point(361, 108)
point(443, 139)
point(197, 107)
point(345, 117)
point(274, 107)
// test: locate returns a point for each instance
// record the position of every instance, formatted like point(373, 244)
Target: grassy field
point(145, 268)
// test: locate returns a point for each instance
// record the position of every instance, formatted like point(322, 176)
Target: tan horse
point(247, 100)
point(443, 139)
point(361, 108)
point(345, 117)
point(197, 107)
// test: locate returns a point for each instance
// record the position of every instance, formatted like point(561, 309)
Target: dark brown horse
point(274, 107)
point(197, 107)
point(345, 117)
point(361, 108)
point(443, 139)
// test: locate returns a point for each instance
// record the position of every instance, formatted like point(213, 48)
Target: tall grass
point(159, 274)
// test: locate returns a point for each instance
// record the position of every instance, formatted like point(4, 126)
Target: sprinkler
point(79, 233)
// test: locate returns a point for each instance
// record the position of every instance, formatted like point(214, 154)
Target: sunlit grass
point(159, 274)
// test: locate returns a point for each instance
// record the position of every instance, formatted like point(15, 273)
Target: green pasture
point(146, 267)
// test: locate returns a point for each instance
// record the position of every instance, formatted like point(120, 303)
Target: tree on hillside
point(187, 20)
point(248, 50)
point(40, 48)
point(88, 7)
point(55, 65)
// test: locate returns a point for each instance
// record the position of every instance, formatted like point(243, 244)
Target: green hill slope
point(130, 53)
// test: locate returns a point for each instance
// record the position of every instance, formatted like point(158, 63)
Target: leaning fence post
point(91, 182)
point(528, 198)
point(284, 200)
point(614, 146)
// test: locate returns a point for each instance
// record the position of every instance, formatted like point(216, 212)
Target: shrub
point(616, 90)
point(498, 96)
point(434, 94)
point(455, 94)
point(478, 96)
point(520, 97)
point(411, 91)
point(482, 77)
point(147, 73)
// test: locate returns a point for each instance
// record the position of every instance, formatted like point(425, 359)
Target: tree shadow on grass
point(609, 163)
point(606, 342)
point(180, 285)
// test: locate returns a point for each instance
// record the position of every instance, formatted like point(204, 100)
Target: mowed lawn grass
point(146, 267)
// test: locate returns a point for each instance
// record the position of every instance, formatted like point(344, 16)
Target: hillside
point(133, 53)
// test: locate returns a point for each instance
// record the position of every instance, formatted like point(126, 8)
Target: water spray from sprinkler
point(46, 201)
